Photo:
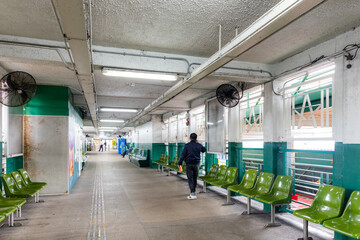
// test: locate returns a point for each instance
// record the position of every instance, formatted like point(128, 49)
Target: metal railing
point(252, 158)
point(310, 169)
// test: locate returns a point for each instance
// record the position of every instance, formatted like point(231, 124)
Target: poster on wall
point(75, 150)
point(71, 152)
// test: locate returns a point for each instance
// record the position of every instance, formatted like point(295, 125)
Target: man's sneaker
point(192, 197)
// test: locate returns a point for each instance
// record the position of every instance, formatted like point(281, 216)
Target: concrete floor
point(138, 204)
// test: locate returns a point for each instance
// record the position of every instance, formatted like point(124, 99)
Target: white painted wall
point(143, 133)
point(46, 152)
point(234, 124)
point(157, 127)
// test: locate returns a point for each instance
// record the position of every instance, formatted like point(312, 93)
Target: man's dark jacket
point(191, 153)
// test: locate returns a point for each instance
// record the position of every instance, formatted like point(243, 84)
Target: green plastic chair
point(280, 193)
point(21, 183)
point(328, 203)
point(163, 160)
point(212, 173)
point(247, 182)
point(220, 176)
point(262, 186)
point(173, 165)
point(21, 186)
point(349, 222)
point(11, 189)
point(2, 218)
point(24, 174)
point(230, 178)
point(18, 202)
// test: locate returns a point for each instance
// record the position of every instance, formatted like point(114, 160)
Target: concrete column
point(157, 146)
point(234, 152)
point(275, 124)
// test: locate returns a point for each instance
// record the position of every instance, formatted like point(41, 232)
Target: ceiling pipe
point(75, 31)
point(41, 46)
point(272, 21)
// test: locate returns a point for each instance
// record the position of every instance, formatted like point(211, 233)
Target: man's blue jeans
point(192, 172)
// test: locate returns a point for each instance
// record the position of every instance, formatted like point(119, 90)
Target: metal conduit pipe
point(238, 69)
point(63, 34)
point(91, 51)
point(146, 55)
point(41, 46)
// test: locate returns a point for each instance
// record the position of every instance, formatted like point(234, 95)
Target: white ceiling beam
point(72, 15)
point(275, 19)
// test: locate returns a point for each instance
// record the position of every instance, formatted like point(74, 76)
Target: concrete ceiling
point(44, 72)
point(326, 21)
point(33, 19)
point(177, 26)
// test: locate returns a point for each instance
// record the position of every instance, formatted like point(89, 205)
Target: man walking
point(191, 155)
point(101, 149)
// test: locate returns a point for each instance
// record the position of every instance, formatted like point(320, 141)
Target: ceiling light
point(113, 128)
point(111, 120)
point(138, 74)
point(106, 130)
point(117, 110)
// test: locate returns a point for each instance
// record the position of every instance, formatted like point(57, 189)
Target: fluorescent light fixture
point(106, 130)
point(139, 74)
point(113, 128)
point(111, 120)
point(117, 110)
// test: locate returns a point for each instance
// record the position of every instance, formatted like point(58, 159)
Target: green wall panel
point(157, 150)
point(346, 171)
point(234, 158)
point(14, 163)
point(180, 147)
point(273, 159)
point(172, 151)
point(49, 100)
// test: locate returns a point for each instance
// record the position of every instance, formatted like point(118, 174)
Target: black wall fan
point(228, 95)
point(17, 88)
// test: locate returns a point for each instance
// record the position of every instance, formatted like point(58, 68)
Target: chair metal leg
point(248, 212)
point(158, 168)
point(228, 199)
point(38, 198)
point(204, 188)
point(18, 215)
point(11, 221)
point(305, 231)
point(272, 222)
point(162, 169)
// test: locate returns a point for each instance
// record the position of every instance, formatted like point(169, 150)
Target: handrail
point(311, 165)
point(254, 149)
point(306, 151)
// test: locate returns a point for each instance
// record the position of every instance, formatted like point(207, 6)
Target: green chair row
point(263, 189)
point(18, 186)
point(140, 157)
point(173, 165)
point(326, 209)
point(220, 176)
point(163, 160)
point(253, 187)
point(8, 207)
